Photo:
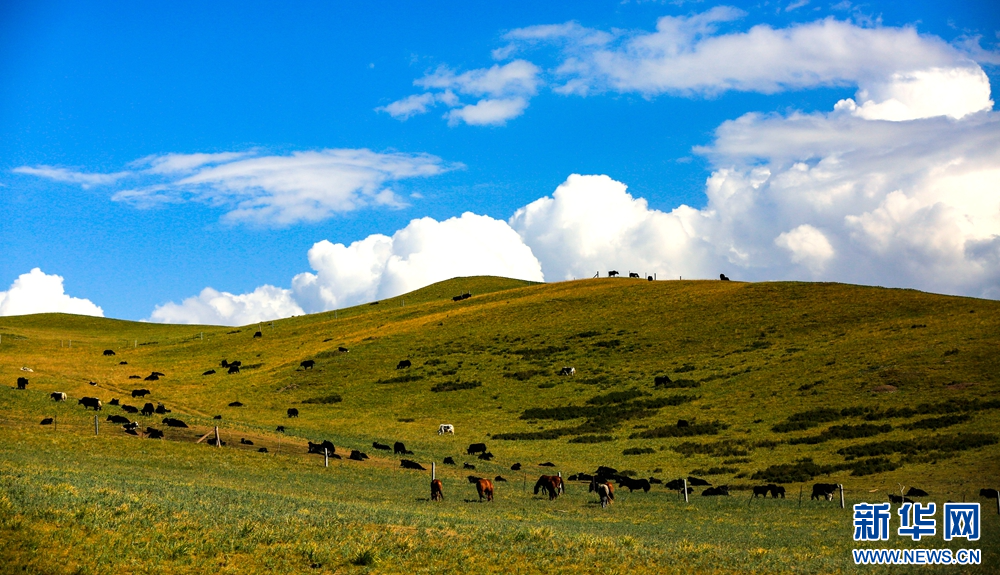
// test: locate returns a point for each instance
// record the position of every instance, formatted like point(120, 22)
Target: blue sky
point(728, 110)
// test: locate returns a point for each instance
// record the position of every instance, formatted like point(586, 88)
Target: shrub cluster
point(402, 379)
point(715, 471)
point(807, 419)
point(456, 385)
point(523, 375)
point(638, 451)
point(711, 428)
point(842, 432)
point(332, 398)
point(944, 443)
point(616, 397)
point(938, 422)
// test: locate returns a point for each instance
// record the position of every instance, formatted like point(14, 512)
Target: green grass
point(800, 382)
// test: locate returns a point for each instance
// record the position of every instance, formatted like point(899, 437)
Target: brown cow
point(436, 493)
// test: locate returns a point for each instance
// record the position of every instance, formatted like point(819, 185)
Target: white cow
point(446, 428)
point(27, 369)
point(58, 396)
point(567, 371)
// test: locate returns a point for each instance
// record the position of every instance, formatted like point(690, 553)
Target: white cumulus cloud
point(212, 307)
point(38, 292)
point(424, 252)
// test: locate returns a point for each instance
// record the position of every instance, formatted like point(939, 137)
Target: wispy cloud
point(84, 179)
point(900, 74)
point(305, 186)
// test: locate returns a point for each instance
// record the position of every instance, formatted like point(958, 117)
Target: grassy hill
point(783, 382)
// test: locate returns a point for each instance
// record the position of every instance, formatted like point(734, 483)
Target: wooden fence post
point(841, 486)
point(326, 457)
point(218, 443)
point(95, 425)
point(685, 491)
point(561, 488)
point(433, 471)
point(800, 496)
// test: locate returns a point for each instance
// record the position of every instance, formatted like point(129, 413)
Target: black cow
point(567, 371)
point(899, 499)
point(22, 382)
point(723, 277)
point(989, 493)
point(650, 278)
point(457, 298)
point(162, 409)
point(236, 404)
point(319, 447)
point(821, 490)
point(209, 372)
point(154, 433)
point(547, 464)
point(476, 448)
point(130, 377)
point(612, 273)
point(381, 446)
point(762, 490)
point(93, 383)
point(217, 417)
point(633, 484)
point(122, 363)
point(171, 422)
point(307, 364)
point(129, 409)
point(468, 466)
point(258, 334)
point(148, 409)
point(515, 467)
point(90, 402)
point(343, 349)
point(292, 412)
point(140, 392)
point(662, 380)
point(449, 461)
point(697, 482)
point(398, 448)
point(262, 450)
point(720, 490)
point(152, 377)
point(407, 464)
point(633, 275)
point(158, 374)
point(212, 441)
point(486, 456)
point(47, 421)
point(233, 369)
point(499, 478)
point(131, 427)
point(674, 484)
point(777, 490)
point(224, 363)
point(58, 396)
point(914, 492)
point(244, 441)
point(113, 401)
point(403, 364)
point(109, 352)
point(357, 455)
point(280, 429)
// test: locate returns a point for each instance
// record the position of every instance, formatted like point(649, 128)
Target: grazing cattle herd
point(600, 482)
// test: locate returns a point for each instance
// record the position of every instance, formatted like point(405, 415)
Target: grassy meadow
point(792, 383)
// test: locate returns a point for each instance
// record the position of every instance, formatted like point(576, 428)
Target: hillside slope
point(777, 381)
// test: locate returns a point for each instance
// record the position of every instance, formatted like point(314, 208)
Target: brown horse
point(483, 486)
point(551, 484)
point(436, 493)
point(605, 490)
